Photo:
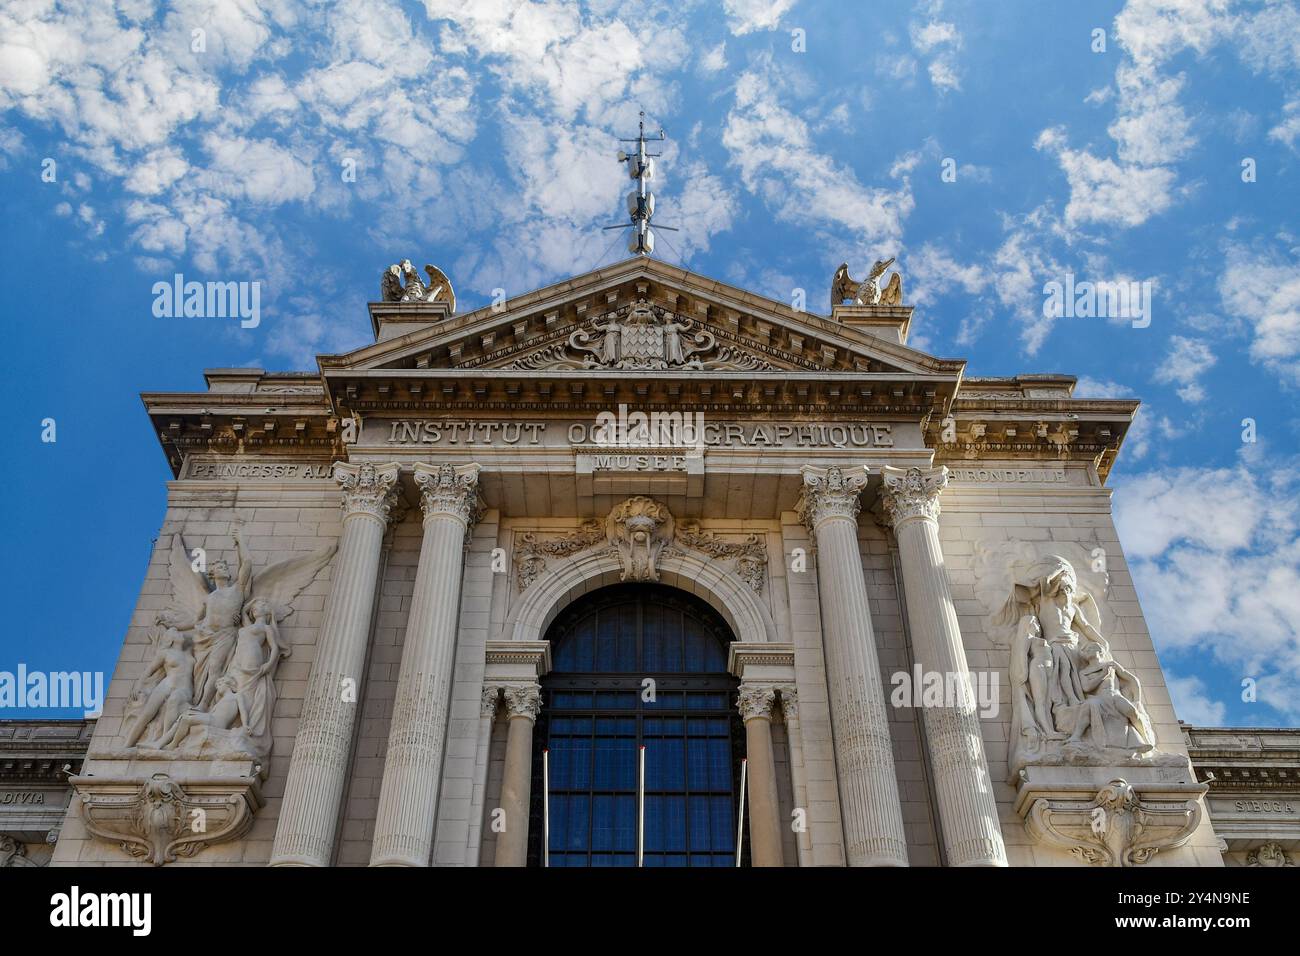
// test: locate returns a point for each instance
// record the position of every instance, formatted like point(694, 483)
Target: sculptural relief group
point(209, 686)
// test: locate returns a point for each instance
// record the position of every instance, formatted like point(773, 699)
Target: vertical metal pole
point(640, 807)
point(546, 808)
point(740, 825)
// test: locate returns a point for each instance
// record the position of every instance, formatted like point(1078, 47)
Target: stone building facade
point(539, 584)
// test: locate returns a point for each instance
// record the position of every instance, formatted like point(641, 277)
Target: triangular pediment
point(642, 316)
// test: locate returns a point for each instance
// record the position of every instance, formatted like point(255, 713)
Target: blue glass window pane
point(579, 817)
point(606, 657)
point(697, 764)
point(571, 700)
point(615, 763)
point(652, 640)
point(724, 824)
point(561, 762)
point(665, 823)
point(580, 763)
point(697, 643)
point(701, 824)
point(719, 764)
point(627, 628)
point(664, 769)
point(616, 700)
point(706, 701)
point(559, 823)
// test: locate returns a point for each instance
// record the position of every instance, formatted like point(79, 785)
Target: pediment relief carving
point(644, 331)
point(646, 336)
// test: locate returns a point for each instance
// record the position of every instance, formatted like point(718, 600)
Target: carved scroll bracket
point(1120, 824)
point(159, 818)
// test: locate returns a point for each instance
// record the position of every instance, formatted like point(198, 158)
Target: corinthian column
point(873, 817)
point(318, 769)
point(523, 704)
point(408, 797)
point(971, 834)
point(756, 703)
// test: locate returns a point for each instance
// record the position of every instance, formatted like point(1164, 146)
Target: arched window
point(635, 665)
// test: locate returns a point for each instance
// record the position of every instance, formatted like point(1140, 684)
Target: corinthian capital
point(911, 492)
point(450, 490)
point(756, 700)
point(367, 488)
point(524, 700)
point(830, 493)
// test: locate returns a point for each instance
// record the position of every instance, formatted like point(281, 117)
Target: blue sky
point(801, 134)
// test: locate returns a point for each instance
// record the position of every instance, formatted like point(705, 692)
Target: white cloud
point(257, 170)
point(1191, 702)
point(1151, 128)
point(1215, 554)
point(1184, 365)
point(772, 147)
point(1105, 192)
point(1022, 264)
point(747, 16)
point(933, 272)
point(705, 207)
point(715, 60)
point(1288, 130)
point(941, 40)
point(578, 66)
point(1262, 286)
point(156, 171)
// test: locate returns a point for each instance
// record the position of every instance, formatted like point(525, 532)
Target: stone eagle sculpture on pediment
point(209, 685)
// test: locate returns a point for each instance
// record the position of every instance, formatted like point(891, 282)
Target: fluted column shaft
point(798, 777)
point(318, 769)
point(522, 707)
point(408, 796)
point(486, 717)
point(870, 807)
point(967, 810)
point(756, 703)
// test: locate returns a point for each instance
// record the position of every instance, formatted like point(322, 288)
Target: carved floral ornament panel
point(639, 532)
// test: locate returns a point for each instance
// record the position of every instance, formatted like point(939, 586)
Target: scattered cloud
point(772, 146)
point(1261, 285)
point(1221, 580)
point(1184, 365)
point(747, 16)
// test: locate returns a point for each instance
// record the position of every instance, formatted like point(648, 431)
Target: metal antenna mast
point(640, 202)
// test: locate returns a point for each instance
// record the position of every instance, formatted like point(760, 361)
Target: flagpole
point(546, 808)
point(640, 807)
point(740, 826)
